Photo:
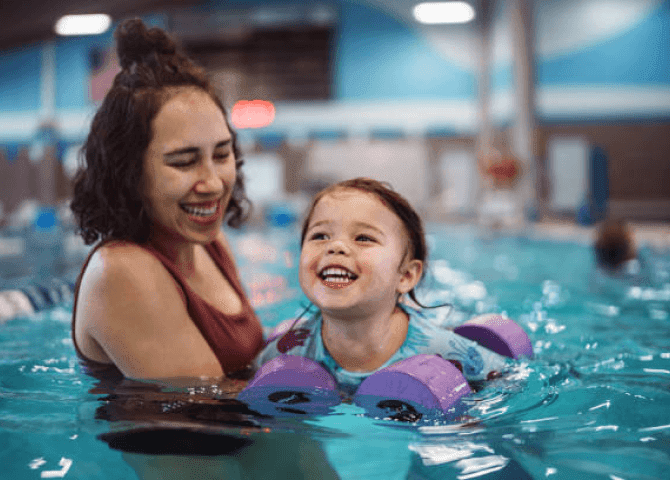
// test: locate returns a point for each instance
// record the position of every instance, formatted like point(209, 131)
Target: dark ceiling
point(24, 22)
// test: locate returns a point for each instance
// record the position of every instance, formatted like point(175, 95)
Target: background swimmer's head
point(614, 244)
point(396, 203)
point(108, 200)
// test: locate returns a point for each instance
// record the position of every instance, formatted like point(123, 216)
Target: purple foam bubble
point(293, 371)
point(499, 334)
point(427, 382)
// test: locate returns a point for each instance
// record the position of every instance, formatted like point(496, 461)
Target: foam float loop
point(293, 371)
point(290, 385)
point(499, 334)
point(421, 386)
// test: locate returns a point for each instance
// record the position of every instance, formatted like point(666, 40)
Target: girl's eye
point(318, 236)
point(364, 238)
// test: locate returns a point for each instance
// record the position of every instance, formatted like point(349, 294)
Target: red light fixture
point(252, 114)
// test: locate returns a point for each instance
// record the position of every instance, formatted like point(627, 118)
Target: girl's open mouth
point(337, 277)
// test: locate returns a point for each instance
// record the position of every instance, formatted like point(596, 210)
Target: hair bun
point(135, 42)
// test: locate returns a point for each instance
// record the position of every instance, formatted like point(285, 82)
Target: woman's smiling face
point(355, 255)
point(189, 168)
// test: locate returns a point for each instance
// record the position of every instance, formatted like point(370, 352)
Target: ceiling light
point(444, 12)
point(83, 24)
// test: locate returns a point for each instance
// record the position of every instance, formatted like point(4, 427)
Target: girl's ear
point(411, 274)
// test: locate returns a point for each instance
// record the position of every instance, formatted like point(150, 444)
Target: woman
point(159, 295)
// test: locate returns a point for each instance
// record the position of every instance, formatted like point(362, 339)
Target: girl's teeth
point(338, 279)
point(337, 275)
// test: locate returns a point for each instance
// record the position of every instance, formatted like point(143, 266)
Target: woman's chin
point(205, 239)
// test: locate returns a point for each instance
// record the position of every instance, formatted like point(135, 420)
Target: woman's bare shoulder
point(118, 251)
point(120, 260)
point(122, 272)
point(131, 306)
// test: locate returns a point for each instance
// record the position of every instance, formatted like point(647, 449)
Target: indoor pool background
point(594, 402)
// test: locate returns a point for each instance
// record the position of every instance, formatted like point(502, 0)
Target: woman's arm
point(131, 307)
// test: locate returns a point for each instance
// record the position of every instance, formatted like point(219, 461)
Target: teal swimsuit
point(424, 336)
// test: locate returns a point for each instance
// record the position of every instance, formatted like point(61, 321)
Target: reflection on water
point(594, 403)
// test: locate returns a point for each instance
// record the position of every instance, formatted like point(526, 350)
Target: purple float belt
point(417, 387)
point(414, 388)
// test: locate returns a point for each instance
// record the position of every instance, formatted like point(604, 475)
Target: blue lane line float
point(14, 303)
point(34, 297)
point(420, 387)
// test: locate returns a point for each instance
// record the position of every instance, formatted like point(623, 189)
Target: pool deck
point(652, 234)
point(656, 235)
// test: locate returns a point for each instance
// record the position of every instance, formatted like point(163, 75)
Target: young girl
point(363, 249)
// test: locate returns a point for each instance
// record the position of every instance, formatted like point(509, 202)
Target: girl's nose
point(338, 247)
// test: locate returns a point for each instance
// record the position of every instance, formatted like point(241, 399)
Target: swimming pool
point(594, 403)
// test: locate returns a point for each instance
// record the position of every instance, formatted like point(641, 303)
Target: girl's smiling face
point(189, 169)
point(355, 256)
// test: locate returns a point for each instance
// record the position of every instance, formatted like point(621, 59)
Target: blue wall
point(73, 69)
point(639, 55)
point(379, 58)
point(20, 79)
point(20, 72)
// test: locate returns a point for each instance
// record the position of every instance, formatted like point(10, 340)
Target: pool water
point(594, 403)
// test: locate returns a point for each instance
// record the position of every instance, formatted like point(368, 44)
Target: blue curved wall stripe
point(640, 56)
point(19, 85)
point(378, 57)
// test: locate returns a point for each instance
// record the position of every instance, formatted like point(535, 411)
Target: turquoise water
point(594, 403)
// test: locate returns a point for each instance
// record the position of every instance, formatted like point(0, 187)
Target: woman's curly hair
point(108, 193)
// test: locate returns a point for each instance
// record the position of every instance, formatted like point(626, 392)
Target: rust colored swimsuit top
point(234, 339)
